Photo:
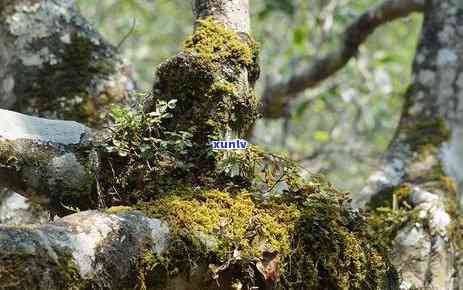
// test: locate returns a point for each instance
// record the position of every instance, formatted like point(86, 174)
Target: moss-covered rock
point(60, 66)
point(56, 178)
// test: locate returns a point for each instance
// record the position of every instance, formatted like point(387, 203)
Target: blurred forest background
point(340, 128)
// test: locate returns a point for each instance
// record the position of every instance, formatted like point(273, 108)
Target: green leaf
point(300, 35)
point(321, 136)
point(301, 108)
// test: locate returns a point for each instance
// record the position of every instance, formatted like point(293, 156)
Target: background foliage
point(340, 128)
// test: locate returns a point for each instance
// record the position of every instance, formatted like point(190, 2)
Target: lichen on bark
point(57, 65)
point(24, 271)
point(48, 174)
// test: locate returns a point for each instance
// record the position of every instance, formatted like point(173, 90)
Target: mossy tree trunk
point(86, 249)
point(214, 94)
point(197, 237)
point(423, 170)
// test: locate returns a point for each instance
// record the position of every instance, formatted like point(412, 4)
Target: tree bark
point(235, 14)
point(425, 156)
point(89, 249)
point(46, 160)
point(54, 64)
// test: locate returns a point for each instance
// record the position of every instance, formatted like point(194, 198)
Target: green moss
point(382, 199)
point(8, 158)
point(391, 210)
point(153, 271)
point(229, 219)
point(17, 273)
point(119, 209)
point(62, 89)
point(224, 222)
point(219, 44)
point(385, 223)
point(419, 130)
point(456, 226)
point(206, 81)
point(14, 158)
point(422, 132)
point(449, 185)
point(401, 197)
point(333, 250)
point(319, 243)
point(426, 170)
point(69, 270)
point(37, 159)
point(162, 165)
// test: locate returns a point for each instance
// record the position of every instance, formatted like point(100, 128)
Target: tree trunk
point(47, 160)
point(423, 166)
point(197, 237)
point(53, 64)
point(420, 177)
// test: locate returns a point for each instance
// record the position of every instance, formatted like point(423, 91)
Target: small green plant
point(141, 134)
point(141, 152)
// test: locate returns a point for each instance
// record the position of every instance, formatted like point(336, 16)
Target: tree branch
point(234, 14)
point(421, 177)
point(276, 96)
point(88, 248)
point(53, 64)
point(46, 160)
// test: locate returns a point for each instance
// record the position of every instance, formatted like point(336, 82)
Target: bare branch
point(277, 95)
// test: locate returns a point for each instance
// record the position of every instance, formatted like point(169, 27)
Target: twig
point(127, 35)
